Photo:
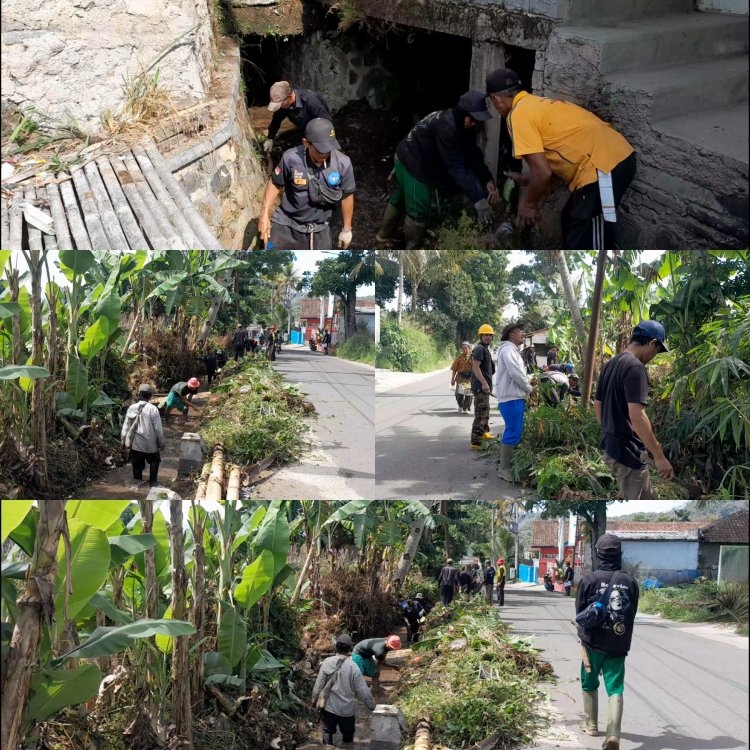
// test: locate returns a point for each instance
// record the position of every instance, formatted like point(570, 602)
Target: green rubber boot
point(414, 232)
point(388, 231)
point(506, 456)
point(590, 723)
point(614, 721)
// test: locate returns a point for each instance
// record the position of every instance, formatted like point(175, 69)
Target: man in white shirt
point(146, 437)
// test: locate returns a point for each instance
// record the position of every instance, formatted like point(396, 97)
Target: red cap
point(500, 561)
point(194, 383)
point(393, 641)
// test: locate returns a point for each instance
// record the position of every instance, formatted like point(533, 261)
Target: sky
point(643, 506)
point(307, 260)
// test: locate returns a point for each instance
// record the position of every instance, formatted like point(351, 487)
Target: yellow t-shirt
point(575, 141)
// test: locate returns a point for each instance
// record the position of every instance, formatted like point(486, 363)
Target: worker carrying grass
point(512, 388)
point(482, 370)
point(142, 434)
point(298, 105)
point(606, 636)
point(313, 179)
point(560, 138)
point(180, 397)
point(370, 654)
point(440, 152)
point(620, 404)
point(338, 683)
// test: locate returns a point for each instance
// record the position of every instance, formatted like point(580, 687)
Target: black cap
point(609, 544)
point(502, 79)
point(474, 103)
point(344, 640)
point(321, 134)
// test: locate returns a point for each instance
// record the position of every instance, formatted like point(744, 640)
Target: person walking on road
point(512, 387)
point(338, 683)
point(556, 137)
point(461, 377)
point(620, 404)
point(501, 573)
point(326, 341)
point(568, 577)
point(210, 362)
point(298, 105)
point(239, 342)
point(142, 434)
point(489, 581)
point(448, 582)
point(313, 179)
point(370, 654)
point(482, 370)
point(604, 648)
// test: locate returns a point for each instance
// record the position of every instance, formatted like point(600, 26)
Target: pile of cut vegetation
point(472, 680)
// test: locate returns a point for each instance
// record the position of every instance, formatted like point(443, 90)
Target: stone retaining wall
point(68, 58)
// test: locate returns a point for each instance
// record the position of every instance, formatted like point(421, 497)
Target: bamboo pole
point(596, 312)
point(200, 490)
point(16, 224)
point(73, 214)
point(197, 223)
point(34, 234)
point(165, 200)
point(233, 485)
point(125, 214)
point(422, 739)
point(134, 184)
point(110, 221)
point(5, 223)
point(215, 487)
point(91, 216)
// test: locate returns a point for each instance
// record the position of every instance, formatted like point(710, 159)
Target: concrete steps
point(614, 11)
point(689, 88)
point(716, 131)
point(661, 40)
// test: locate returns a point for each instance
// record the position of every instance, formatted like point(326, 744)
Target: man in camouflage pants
point(482, 369)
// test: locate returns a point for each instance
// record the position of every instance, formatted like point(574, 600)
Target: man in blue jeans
point(512, 387)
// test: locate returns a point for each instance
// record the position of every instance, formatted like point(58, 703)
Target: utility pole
point(561, 537)
point(596, 311)
point(515, 559)
point(494, 521)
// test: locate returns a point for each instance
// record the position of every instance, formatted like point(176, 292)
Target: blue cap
point(650, 329)
point(568, 367)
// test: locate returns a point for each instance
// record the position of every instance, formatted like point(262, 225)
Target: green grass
point(411, 349)
point(264, 420)
point(702, 601)
point(486, 686)
point(359, 348)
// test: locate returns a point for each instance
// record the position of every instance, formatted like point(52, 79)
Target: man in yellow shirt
point(561, 138)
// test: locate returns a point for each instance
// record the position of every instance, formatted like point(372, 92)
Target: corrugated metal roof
point(123, 201)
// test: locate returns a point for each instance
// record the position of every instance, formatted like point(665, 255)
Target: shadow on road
point(676, 741)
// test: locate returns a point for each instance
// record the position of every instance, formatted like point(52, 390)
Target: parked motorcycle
point(313, 345)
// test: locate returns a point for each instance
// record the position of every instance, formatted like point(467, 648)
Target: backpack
point(326, 691)
point(595, 614)
point(130, 434)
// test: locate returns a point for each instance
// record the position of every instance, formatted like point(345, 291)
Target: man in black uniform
point(620, 406)
point(604, 648)
point(314, 177)
point(239, 342)
point(482, 370)
point(440, 151)
point(298, 105)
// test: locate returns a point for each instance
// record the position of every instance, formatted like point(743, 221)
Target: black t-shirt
point(487, 367)
point(371, 647)
point(614, 636)
point(552, 359)
point(623, 381)
point(489, 576)
point(464, 578)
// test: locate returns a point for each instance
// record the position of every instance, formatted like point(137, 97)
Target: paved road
point(341, 465)
point(686, 686)
point(422, 446)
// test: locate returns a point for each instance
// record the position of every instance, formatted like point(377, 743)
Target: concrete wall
point(670, 561)
point(737, 7)
point(366, 323)
point(69, 57)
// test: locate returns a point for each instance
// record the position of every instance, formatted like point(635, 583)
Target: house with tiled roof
point(545, 543)
point(664, 550)
point(723, 548)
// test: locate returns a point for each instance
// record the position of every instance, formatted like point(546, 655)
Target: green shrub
point(359, 348)
point(394, 348)
point(700, 601)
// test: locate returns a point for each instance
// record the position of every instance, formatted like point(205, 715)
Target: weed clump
point(473, 680)
point(359, 348)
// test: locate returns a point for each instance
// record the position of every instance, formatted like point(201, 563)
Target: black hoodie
point(614, 636)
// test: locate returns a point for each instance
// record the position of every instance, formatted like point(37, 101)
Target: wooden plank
point(115, 235)
point(125, 214)
point(16, 223)
point(91, 217)
point(197, 223)
point(73, 215)
point(62, 234)
point(50, 244)
point(173, 241)
point(176, 218)
point(5, 224)
point(200, 229)
point(34, 234)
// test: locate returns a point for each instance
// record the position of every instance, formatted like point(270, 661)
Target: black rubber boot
point(388, 231)
point(414, 233)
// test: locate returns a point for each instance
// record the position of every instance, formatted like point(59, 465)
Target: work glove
point(345, 238)
point(484, 212)
point(268, 145)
